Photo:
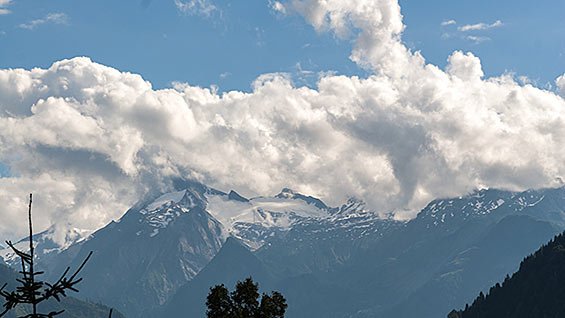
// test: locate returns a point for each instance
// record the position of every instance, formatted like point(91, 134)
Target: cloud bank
point(90, 140)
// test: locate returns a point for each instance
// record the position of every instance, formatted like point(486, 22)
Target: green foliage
point(244, 302)
point(219, 302)
point(273, 306)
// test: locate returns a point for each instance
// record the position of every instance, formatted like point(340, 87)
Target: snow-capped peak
point(286, 193)
point(54, 239)
point(166, 208)
point(353, 205)
point(166, 199)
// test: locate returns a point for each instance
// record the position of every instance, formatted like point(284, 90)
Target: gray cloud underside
point(90, 140)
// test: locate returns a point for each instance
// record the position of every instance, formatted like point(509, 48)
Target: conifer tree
point(219, 302)
point(244, 302)
point(31, 290)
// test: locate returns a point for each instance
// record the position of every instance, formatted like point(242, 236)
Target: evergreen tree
point(273, 306)
point(244, 302)
point(245, 298)
point(219, 302)
point(33, 291)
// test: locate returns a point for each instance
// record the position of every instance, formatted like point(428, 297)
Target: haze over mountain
point(166, 251)
point(535, 290)
point(389, 186)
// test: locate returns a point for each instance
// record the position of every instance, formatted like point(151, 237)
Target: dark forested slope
point(536, 290)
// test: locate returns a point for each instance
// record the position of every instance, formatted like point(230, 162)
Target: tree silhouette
point(219, 302)
point(244, 302)
point(32, 291)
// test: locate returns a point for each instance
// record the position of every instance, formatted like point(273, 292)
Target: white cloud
point(199, 7)
point(277, 6)
point(3, 5)
point(90, 139)
point(480, 26)
point(448, 22)
point(560, 82)
point(477, 39)
point(51, 18)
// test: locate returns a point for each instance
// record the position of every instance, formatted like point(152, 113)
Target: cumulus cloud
point(51, 18)
point(560, 82)
point(277, 6)
point(199, 7)
point(480, 26)
point(91, 139)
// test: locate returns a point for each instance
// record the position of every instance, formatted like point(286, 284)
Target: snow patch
point(168, 198)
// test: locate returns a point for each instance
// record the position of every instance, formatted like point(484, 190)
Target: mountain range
point(162, 255)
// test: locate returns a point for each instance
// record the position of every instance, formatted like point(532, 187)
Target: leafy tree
point(244, 302)
point(32, 291)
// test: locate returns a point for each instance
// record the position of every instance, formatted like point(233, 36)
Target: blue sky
point(232, 45)
point(95, 139)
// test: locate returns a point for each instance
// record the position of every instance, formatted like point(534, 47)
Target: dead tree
point(32, 291)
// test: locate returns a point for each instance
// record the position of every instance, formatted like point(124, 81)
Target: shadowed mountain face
point(234, 262)
point(535, 290)
point(453, 249)
point(139, 262)
point(424, 268)
point(164, 253)
point(162, 243)
point(73, 307)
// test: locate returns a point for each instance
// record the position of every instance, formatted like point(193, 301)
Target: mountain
point(48, 246)
point(258, 220)
point(163, 242)
point(322, 245)
point(73, 307)
point(535, 290)
point(438, 259)
point(345, 261)
point(234, 262)
point(353, 264)
point(157, 246)
point(485, 261)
